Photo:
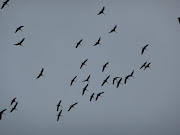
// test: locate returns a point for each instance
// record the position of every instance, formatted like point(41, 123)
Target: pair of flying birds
point(19, 29)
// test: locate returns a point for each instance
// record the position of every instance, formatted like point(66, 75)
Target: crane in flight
point(98, 42)
point(59, 115)
point(126, 78)
point(144, 48)
point(14, 108)
point(102, 11)
point(19, 28)
point(72, 106)
point(73, 80)
point(2, 112)
point(143, 65)
point(105, 66)
point(105, 80)
point(87, 80)
point(83, 63)
point(85, 89)
point(114, 79)
point(119, 82)
point(14, 100)
point(99, 95)
point(78, 43)
point(20, 43)
point(4, 4)
point(92, 96)
point(58, 105)
point(114, 29)
point(147, 66)
point(40, 74)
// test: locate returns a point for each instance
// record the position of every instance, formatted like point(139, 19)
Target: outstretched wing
point(3, 5)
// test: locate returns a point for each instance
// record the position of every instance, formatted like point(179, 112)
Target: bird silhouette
point(144, 48)
point(105, 66)
point(147, 66)
point(179, 20)
point(19, 28)
point(126, 78)
point(98, 42)
point(83, 63)
point(14, 100)
point(114, 79)
point(87, 80)
point(99, 95)
point(78, 43)
point(85, 89)
point(119, 82)
point(20, 43)
point(114, 29)
point(73, 80)
point(14, 108)
point(143, 65)
point(105, 80)
point(5, 3)
point(132, 73)
point(40, 74)
point(102, 11)
point(58, 105)
point(59, 115)
point(92, 96)
point(2, 112)
point(72, 106)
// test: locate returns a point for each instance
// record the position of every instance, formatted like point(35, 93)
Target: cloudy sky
point(149, 104)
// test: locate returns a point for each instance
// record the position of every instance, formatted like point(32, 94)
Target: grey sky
point(147, 105)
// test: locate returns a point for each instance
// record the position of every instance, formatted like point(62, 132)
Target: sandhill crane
point(143, 65)
point(102, 11)
point(99, 95)
point(92, 96)
point(85, 89)
point(131, 75)
point(40, 74)
point(144, 48)
point(19, 28)
point(87, 80)
point(58, 105)
point(83, 63)
point(105, 80)
point(98, 42)
point(147, 66)
point(2, 112)
point(20, 43)
point(72, 106)
point(78, 43)
point(114, 29)
point(5, 3)
point(119, 82)
point(126, 78)
point(73, 80)
point(105, 66)
point(14, 108)
point(115, 78)
point(59, 115)
point(14, 100)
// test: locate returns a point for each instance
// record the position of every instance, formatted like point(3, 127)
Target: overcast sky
point(149, 104)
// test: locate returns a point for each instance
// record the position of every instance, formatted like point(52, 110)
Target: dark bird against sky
point(73, 80)
point(105, 66)
point(19, 28)
point(87, 80)
point(20, 43)
point(2, 112)
point(105, 81)
point(147, 66)
point(85, 89)
point(14, 100)
point(78, 43)
point(99, 95)
point(102, 11)
point(114, 29)
point(114, 79)
point(14, 108)
point(119, 82)
point(83, 63)
point(144, 48)
point(72, 106)
point(143, 65)
point(5, 3)
point(179, 20)
point(98, 42)
point(58, 105)
point(59, 115)
point(41, 73)
point(92, 96)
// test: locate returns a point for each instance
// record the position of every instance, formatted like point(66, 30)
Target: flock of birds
point(116, 80)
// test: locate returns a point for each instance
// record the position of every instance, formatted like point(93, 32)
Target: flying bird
point(2, 112)
point(126, 78)
point(5, 3)
point(73, 80)
point(105, 66)
point(105, 80)
point(102, 11)
point(59, 115)
point(115, 78)
point(92, 96)
point(114, 29)
point(147, 66)
point(119, 82)
point(41, 73)
point(58, 105)
point(20, 43)
point(179, 20)
point(87, 80)
point(99, 95)
point(14, 100)
point(144, 48)
point(19, 28)
point(83, 63)
point(143, 65)
point(14, 108)
point(131, 75)
point(72, 106)
point(78, 43)
point(85, 89)
point(98, 42)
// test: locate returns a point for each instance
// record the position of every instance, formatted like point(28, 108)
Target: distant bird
point(41, 73)
point(115, 78)
point(14, 108)
point(179, 20)
point(92, 96)
point(126, 78)
point(58, 105)
point(143, 65)
point(144, 48)
point(114, 29)
point(147, 66)
point(20, 43)
point(83, 63)
point(78, 43)
point(105, 80)
point(2, 112)
point(119, 82)
point(99, 95)
point(73, 80)
point(72, 106)
point(14, 100)
point(87, 80)
point(19, 28)
point(85, 89)
point(59, 115)
point(131, 75)
point(102, 11)
point(5, 3)
point(105, 66)
point(98, 42)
